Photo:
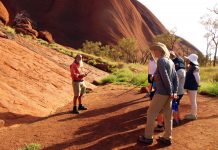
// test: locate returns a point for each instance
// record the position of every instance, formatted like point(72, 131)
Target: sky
point(184, 16)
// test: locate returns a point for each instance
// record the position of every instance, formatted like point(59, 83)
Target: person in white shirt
point(152, 66)
point(192, 82)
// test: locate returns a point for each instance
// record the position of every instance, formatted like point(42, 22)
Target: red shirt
point(75, 71)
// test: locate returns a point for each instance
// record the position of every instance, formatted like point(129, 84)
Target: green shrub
point(209, 80)
point(123, 75)
point(135, 67)
point(126, 76)
point(32, 146)
point(215, 77)
point(41, 41)
point(209, 73)
point(92, 62)
point(109, 79)
point(128, 49)
point(210, 88)
point(92, 47)
point(10, 30)
point(140, 79)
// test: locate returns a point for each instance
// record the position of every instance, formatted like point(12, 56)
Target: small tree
point(92, 47)
point(144, 55)
point(169, 39)
point(210, 22)
point(128, 48)
point(184, 49)
point(214, 10)
point(207, 36)
point(110, 52)
point(202, 60)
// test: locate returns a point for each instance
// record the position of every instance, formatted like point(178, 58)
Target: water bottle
point(175, 106)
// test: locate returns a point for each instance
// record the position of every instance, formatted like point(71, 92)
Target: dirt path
point(116, 117)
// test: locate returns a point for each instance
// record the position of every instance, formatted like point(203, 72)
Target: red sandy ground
point(114, 120)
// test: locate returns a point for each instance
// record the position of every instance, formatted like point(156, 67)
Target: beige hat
point(193, 58)
point(162, 47)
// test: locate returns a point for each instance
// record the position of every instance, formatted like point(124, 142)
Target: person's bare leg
point(80, 99)
point(175, 115)
point(179, 115)
point(75, 111)
point(175, 118)
point(149, 88)
point(75, 100)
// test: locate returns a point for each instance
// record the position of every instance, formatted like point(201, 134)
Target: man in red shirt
point(79, 86)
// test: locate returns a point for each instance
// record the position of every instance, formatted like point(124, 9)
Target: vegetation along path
point(115, 119)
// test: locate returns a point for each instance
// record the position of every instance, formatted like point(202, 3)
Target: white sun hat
point(193, 58)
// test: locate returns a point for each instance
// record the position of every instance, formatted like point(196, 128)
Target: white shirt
point(152, 66)
point(197, 76)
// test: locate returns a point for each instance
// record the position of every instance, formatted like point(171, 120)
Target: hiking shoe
point(175, 123)
point(147, 95)
point(81, 107)
point(144, 140)
point(159, 128)
point(190, 117)
point(75, 111)
point(164, 141)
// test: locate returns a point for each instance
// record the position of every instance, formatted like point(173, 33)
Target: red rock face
point(71, 22)
point(4, 16)
point(106, 21)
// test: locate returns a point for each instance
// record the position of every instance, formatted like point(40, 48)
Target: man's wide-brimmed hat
point(193, 58)
point(162, 47)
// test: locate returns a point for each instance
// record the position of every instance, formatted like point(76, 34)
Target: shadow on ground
point(110, 132)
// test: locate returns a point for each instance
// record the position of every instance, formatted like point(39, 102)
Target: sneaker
point(147, 95)
point(164, 141)
point(144, 140)
point(75, 111)
point(81, 107)
point(159, 128)
point(190, 117)
point(175, 123)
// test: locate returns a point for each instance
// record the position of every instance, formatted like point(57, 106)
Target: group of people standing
point(169, 80)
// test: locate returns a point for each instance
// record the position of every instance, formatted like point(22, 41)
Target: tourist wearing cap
point(151, 70)
point(166, 84)
point(192, 81)
point(79, 88)
point(180, 70)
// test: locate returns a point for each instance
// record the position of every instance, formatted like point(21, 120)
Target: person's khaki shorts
point(79, 88)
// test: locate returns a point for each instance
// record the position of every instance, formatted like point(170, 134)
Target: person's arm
point(179, 74)
point(149, 67)
point(175, 82)
point(164, 76)
point(197, 76)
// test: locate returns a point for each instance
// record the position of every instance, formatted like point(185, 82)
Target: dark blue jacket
point(190, 81)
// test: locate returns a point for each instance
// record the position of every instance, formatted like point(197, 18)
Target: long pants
point(159, 103)
point(193, 100)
